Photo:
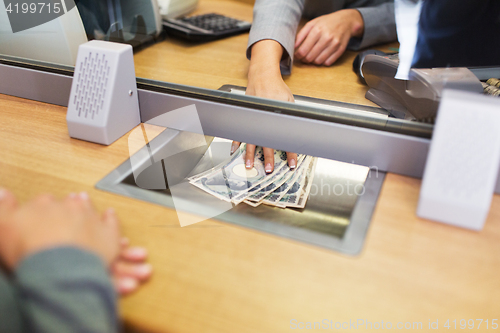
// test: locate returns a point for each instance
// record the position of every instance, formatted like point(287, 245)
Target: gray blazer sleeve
point(380, 26)
point(65, 290)
point(276, 20)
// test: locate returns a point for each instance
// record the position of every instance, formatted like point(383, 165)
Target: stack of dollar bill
point(284, 187)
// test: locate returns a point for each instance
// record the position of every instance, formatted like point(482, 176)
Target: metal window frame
point(258, 121)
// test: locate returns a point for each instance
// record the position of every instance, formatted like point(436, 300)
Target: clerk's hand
point(45, 223)
point(264, 80)
point(324, 39)
point(265, 84)
point(268, 157)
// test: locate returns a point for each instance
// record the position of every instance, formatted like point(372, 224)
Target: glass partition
point(167, 64)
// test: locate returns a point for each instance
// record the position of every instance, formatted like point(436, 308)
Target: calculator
point(207, 27)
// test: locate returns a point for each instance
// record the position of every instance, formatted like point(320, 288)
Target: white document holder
point(103, 104)
point(463, 162)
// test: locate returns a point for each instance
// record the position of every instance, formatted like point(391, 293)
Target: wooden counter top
point(217, 277)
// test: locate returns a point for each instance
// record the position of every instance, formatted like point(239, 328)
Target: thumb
point(8, 203)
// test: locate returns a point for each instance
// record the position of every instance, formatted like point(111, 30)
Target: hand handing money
point(268, 157)
point(232, 181)
point(265, 80)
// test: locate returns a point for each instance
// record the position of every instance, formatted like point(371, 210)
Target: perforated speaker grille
point(92, 79)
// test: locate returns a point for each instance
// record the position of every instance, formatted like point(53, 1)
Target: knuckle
point(317, 30)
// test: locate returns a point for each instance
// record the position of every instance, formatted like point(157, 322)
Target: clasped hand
point(45, 223)
point(324, 39)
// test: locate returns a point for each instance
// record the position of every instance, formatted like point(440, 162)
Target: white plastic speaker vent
point(92, 81)
point(103, 103)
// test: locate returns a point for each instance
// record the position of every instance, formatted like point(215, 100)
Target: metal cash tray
point(335, 217)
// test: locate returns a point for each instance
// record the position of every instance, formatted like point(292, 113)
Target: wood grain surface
point(217, 277)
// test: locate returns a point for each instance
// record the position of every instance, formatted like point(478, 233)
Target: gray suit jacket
point(278, 20)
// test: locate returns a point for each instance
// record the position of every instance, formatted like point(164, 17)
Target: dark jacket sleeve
point(65, 290)
point(458, 34)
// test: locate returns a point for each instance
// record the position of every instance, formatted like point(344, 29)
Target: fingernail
point(3, 193)
point(110, 211)
point(144, 269)
point(249, 164)
point(128, 283)
point(233, 148)
point(292, 163)
point(84, 196)
point(72, 195)
point(138, 251)
point(269, 167)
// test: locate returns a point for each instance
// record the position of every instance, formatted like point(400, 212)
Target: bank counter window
point(319, 229)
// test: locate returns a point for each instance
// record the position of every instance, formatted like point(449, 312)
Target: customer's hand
point(130, 269)
point(45, 223)
point(324, 39)
point(264, 80)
